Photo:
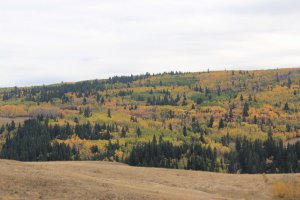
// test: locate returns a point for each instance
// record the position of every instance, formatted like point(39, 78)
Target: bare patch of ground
point(106, 180)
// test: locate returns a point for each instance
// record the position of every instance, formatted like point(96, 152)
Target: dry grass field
point(106, 180)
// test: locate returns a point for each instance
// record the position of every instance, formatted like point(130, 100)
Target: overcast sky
point(51, 41)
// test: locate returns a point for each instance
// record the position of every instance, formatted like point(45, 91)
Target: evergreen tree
point(286, 107)
point(170, 127)
point(289, 82)
point(138, 132)
point(109, 113)
point(87, 112)
point(246, 110)
point(199, 100)
point(277, 78)
point(221, 123)
point(211, 121)
point(219, 91)
point(98, 98)
point(184, 131)
point(230, 114)
point(255, 119)
point(84, 102)
point(123, 132)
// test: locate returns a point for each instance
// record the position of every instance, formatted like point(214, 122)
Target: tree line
point(165, 154)
point(36, 140)
point(33, 141)
point(270, 156)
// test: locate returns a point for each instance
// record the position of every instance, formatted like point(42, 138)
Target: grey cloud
point(267, 7)
point(55, 40)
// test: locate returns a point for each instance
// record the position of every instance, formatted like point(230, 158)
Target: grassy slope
point(105, 180)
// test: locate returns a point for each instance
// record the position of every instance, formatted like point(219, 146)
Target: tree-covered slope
point(246, 121)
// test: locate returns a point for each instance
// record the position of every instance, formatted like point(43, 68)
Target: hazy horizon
point(39, 82)
point(45, 42)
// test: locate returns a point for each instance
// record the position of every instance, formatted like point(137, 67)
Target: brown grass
point(105, 180)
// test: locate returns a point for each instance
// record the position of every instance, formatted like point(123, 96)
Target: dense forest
point(224, 121)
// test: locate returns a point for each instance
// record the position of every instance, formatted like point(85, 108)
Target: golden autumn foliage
point(12, 111)
point(222, 93)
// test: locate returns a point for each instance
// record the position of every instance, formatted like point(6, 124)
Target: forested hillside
point(223, 121)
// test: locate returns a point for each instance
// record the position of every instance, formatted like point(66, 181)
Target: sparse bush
point(289, 190)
